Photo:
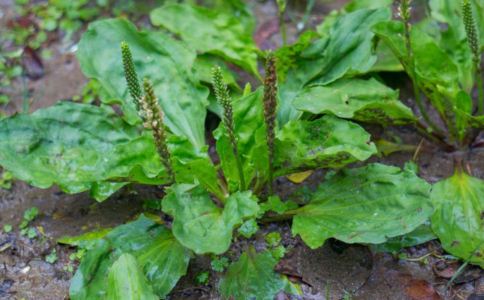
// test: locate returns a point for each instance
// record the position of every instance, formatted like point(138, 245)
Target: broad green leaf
point(90, 280)
point(275, 204)
point(127, 281)
point(164, 261)
point(194, 166)
point(359, 99)
point(349, 49)
point(437, 74)
point(369, 4)
point(420, 235)
point(203, 67)
point(83, 238)
point(458, 218)
point(161, 258)
point(248, 228)
point(451, 37)
point(78, 147)
point(364, 205)
point(252, 277)
point(250, 132)
point(210, 31)
point(450, 12)
point(165, 61)
point(344, 50)
point(293, 73)
point(327, 142)
point(202, 226)
point(239, 8)
point(386, 61)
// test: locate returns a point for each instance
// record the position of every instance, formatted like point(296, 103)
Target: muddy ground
point(334, 271)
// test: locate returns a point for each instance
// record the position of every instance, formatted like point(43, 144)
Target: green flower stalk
point(405, 12)
point(270, 105)
point(223, 97)
point(153, 117)
point(473, 41)
point(134, 87)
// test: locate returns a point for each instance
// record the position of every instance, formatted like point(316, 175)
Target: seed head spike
point(270, 106)
point(153, 117)
point(404, 10)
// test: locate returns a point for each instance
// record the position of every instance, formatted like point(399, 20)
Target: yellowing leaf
point(299, 177)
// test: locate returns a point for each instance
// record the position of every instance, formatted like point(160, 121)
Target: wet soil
point(334, 271)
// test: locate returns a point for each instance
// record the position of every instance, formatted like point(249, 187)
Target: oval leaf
point(210, 31)
point(78, 147)
point(166, 62)
point(252, 277)
point(159, 256)
point(327, 142)
point(202, 226)
point(364, 205)
point(127, 281)
point(458, 218)
point(358, 99)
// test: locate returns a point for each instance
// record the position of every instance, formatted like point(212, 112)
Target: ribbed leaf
point(210, 31)
point(349, 49)
point(364, 205)
point(327, 142)
point(160, 258)
point(165, 61)
point(202, 226)
point(252, 277)
point(359, 99)
point(78, 147)
point(458, 219)
point(127, 281)
point(345, 50)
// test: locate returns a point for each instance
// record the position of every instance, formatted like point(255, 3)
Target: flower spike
point(473, 41)
point(153, 116)
point(134, 87)
point(223, 97)
point(471, 30)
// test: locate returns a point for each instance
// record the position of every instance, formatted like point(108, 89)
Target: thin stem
point(405, 15)
point(432, 136)
point(281, 5)
point(456, 274)
point(480, 90)
point(282, 28)
point(288, 215)
point(239, 167)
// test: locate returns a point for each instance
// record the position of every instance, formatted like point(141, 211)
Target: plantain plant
point(444, 66)
point(215, 193)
